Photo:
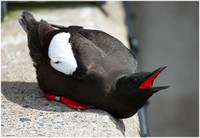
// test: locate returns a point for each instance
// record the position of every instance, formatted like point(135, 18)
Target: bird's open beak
point(147, 84)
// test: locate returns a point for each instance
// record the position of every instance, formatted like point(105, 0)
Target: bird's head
point(135, 89)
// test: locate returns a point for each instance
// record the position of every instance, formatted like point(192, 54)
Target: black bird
point(88, 66)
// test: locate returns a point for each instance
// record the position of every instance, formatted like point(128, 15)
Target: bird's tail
point(30, 26)
point(27, 21)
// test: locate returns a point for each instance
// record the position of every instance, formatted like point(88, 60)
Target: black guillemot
point(88, 66)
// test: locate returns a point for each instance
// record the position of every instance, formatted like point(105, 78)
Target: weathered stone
point(24, 119)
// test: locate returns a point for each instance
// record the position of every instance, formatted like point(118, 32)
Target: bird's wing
point(120, 56)
point(90, 58)
point(103, 55)
point(96, 53)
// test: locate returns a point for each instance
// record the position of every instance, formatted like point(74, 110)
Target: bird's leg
point(69, 102)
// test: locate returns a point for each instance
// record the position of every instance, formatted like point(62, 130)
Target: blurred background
point(168, 34)
point(164, 33)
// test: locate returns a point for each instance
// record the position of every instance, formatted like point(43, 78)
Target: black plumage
point(105, 76)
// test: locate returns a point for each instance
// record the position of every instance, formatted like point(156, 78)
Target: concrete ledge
point(25, 111)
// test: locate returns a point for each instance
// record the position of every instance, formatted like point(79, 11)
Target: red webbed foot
point(70, 103)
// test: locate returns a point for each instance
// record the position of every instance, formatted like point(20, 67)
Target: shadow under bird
point(88, 66)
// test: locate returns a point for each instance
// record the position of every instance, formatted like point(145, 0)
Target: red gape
point(70, 103)
point(149, 82)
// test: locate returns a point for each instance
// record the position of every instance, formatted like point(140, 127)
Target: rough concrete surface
point(24, 109)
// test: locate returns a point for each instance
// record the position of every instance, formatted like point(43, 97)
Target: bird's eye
point(57, 62)
point(132, 79)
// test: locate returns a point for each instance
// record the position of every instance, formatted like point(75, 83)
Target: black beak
point(147, 84)
point(156, 89)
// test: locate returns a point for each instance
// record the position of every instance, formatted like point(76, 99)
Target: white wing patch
point(60, 53)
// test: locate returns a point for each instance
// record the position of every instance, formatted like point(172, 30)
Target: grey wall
point(168, 35)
